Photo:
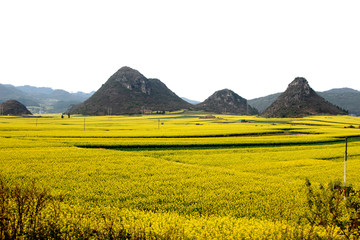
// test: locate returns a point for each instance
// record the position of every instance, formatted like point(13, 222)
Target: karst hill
point(300, 100)
point(129, 92)
point(226, 101)
point(13, 108)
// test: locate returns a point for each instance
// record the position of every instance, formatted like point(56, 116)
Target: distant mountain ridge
point(35, 90)
point(345, 98)
point(262, 103)
point(194, 102)
point(42, 99)
point(300, 100)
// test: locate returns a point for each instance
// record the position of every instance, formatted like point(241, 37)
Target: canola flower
point(247, 185)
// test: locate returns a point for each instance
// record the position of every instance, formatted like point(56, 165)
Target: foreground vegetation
point(177, 177)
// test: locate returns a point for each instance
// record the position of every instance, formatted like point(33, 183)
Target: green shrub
point(335, 208)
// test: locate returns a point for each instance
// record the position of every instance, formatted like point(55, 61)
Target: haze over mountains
point(42, 99)
point(129, 92)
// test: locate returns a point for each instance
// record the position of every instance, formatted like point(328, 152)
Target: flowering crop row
point(252, 190)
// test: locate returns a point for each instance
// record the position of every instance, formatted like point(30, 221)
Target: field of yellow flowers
point(178, 176)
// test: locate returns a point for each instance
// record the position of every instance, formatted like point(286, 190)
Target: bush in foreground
point(335, 209)
point(30, 212)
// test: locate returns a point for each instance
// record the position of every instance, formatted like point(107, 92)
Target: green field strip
point(205, 146)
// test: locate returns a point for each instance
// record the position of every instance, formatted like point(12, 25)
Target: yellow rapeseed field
point(178, 176)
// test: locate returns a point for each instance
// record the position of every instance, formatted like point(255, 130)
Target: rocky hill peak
point(127, 91)
point(131, 79)
point(299, 81)
point(226, 101)
point(300, 100)
point(225, 92)
point(300, 87)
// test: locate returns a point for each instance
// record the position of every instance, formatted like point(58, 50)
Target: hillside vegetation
point(301, 100)
point(346, 98)
point(127, 91)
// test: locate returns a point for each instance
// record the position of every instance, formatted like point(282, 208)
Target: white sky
point(195, 47)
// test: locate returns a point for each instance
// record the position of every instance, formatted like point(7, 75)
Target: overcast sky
point(195, 47)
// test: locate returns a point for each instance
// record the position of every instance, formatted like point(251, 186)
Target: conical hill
point(226, 101)
point(129, 92)
point(13, 108)
point(300, 100)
